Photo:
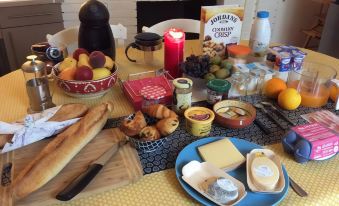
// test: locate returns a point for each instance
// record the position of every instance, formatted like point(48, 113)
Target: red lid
point(153, 92)
point(239, 49)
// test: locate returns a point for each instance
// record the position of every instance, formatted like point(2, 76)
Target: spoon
point(260, 106)
point(279, 112)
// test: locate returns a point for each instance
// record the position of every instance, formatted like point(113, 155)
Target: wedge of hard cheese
point(222, 153)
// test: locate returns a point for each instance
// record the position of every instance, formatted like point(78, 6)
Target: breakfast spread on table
point(247, 90)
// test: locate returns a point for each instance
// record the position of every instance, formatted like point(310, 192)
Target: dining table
point(319, 178)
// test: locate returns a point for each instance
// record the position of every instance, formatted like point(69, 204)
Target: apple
point(83, 73)
point(79, 51)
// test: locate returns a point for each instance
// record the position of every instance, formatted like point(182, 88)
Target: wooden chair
point(187, 25)
point(69, 37)
point(315, 31)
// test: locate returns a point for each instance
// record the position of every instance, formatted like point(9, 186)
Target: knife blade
point(81, 181)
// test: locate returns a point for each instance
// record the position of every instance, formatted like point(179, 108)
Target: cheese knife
point(81, 181)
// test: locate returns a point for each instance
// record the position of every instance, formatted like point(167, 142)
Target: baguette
point(159, 111)
point(69, 111)
point(66, 112)
point(57, 153)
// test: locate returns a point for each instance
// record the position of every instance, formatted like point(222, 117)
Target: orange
point(289, 99)
point(334, 93)
point(273, 87)
point(68, 73)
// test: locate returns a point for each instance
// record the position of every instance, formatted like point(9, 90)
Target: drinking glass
point(313, 82)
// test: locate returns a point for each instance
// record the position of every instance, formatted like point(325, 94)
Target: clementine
point(68, 73)
point(273, 87)
point(334, 93)
point(289, 99)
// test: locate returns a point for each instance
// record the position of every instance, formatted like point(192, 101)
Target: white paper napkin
point(33, 128)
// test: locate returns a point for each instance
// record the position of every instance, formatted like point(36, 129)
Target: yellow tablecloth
point(319, 178)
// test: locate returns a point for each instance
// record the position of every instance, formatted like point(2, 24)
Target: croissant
point(159, 111)
point(167, 126)
point(149, 133)
point(133, 127)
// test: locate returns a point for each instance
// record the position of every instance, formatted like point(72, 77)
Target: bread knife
point(81, 181)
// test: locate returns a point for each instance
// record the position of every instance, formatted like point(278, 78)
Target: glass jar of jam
point(152, 94)
point(217, 90)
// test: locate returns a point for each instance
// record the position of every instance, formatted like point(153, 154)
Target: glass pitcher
point(313, 82)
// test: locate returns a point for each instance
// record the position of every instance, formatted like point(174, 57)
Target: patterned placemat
point(164, 157)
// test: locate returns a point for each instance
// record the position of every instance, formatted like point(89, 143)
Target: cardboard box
point(220, 26)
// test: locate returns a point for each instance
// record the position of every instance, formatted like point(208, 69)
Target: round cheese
point(265, 172)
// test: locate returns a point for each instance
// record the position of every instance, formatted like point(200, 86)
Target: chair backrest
point(187, 25)
point(69, 37)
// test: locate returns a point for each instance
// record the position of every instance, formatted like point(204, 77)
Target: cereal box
point(220, 26)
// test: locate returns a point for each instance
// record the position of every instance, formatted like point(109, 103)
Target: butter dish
point(197, 174)
point(264, 172)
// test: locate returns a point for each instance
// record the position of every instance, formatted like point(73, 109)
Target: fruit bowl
point(243, 113)
point(85, 88)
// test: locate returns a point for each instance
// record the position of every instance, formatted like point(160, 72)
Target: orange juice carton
point(220, 26)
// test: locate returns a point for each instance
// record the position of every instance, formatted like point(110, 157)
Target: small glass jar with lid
point(217, 90)
point(182, 96)
point(152, 94)
point(239, 83)
point(237, 54)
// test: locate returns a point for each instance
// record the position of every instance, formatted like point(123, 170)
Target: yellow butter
point(221, 153)
point(265, 172)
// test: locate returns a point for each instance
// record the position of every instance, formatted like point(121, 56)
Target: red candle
point(174, 51)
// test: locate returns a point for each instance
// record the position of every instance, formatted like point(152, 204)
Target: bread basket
point(147, 145)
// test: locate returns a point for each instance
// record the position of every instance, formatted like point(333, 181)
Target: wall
point(121, 11)
point(288, 17)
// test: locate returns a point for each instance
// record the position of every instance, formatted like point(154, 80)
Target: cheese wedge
point(265, 172)
point(222, 154)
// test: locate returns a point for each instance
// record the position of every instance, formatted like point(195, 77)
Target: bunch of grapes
point(196, 66)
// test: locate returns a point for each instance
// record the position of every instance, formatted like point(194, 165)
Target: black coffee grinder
point(95, 33)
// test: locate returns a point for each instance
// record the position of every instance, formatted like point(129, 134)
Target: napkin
point(32, 128)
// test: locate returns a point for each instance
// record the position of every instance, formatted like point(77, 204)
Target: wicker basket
point(145, 145)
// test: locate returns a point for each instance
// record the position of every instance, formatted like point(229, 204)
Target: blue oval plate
point(190, 153)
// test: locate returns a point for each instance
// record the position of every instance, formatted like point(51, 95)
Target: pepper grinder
point(37, 85)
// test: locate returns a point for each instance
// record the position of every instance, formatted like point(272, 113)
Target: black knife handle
point(273, 118)
point(285, 117)
point(79, 183)
point(263, 127)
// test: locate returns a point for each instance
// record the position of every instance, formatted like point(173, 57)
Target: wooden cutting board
point(122, 169)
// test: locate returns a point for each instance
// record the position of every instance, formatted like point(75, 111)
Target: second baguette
point(57, 153)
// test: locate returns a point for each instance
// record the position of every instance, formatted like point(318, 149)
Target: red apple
point(83, 73)
point(79, 51)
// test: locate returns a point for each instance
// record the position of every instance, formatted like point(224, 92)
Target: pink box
point(324, 142)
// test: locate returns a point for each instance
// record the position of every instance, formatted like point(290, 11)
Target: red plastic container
point(132, 89)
